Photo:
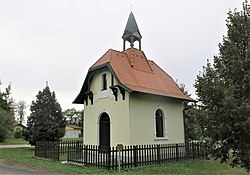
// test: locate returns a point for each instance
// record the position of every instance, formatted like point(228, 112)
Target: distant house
point(129, 99)
point(19, 126)
point(18, 129)
point(72, 131)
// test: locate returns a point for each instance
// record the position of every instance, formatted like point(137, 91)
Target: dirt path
point(10, 168)
point(14, 146)
point(7, 168)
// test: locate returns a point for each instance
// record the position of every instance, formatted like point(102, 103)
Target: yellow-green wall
point(142, 119)
point(132, 119)
point(118, 112)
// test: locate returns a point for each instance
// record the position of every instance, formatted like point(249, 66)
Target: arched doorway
point(104, 130)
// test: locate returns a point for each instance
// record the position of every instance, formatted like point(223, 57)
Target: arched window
point(159, 123)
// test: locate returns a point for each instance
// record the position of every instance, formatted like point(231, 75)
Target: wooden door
point(104, 130)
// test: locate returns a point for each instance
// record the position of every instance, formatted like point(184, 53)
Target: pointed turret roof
point(131, 32)
point(131, 28)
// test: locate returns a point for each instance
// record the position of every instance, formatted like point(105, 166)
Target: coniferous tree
point(224, 90)
point(46, 122)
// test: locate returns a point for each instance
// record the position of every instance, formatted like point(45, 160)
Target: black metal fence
point(110, 157)
point(133, 156)
point(54, 150)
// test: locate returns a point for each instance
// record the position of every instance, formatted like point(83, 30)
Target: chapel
point(128, 99)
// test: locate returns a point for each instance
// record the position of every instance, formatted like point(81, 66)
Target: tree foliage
point(46, 122)
point(74, 117)
point(224, 90)
point(6, 113)
point(20, 110)
point(192, 118)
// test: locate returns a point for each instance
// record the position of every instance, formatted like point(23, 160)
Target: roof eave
point(187, 98)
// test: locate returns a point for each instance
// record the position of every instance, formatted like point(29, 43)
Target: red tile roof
point(138, 74)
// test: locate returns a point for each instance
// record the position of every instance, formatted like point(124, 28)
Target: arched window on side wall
point(159, 123)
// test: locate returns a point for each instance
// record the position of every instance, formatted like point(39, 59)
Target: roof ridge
point(101, 57)
point(130, 55)
point(147, 61)
point(163, 70)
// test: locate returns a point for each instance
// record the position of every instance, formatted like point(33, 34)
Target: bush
point(18, 134)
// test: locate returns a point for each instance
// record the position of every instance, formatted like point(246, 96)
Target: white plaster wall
point(142, 121)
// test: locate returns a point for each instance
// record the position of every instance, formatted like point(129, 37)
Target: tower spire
point(131, 32)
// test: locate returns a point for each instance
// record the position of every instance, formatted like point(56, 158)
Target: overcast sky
point(58, 40)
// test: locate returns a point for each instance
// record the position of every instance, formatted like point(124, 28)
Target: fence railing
point(108, 157)
point(133, 156)
point(54, 150)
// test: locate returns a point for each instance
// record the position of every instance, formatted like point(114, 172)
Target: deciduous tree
point(20, 110)
point(74, 117)
point(224, 90)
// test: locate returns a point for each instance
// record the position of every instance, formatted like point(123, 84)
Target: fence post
point(86, 154)
point(158, 154)
point(198, 149)
point(177, 152)
point(109, 157)
point(36, 148)
point(45, 150)
point(187, 149)
point(135, 156)
point(69, 153)
point(193, 150)
point(58, 150)
point(77, 149)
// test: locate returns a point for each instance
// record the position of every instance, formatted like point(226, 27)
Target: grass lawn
point(22, 141)
point(14, 142)
point(194, 167)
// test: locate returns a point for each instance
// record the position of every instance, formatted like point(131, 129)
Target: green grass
point(22, 141)
point(14, 142)
point(26, 157)
point(194, 167)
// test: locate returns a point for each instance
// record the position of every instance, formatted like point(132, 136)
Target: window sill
point(161, 138)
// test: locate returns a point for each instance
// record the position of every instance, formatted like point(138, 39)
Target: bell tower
point(131, 32)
